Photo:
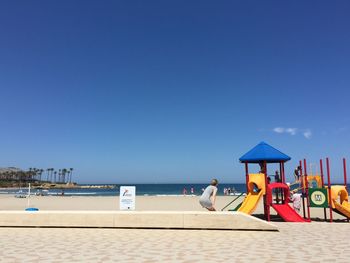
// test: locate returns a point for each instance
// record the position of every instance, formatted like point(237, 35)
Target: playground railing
point(232, 201)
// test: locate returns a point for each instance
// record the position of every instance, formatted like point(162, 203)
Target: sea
point(141, 190)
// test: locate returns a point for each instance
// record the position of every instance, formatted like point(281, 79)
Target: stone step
point(135, 219)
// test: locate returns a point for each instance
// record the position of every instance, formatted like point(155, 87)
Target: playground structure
point(283, 209)
point(338, 196)
point(314, 181)
point(339, 192)
point(312, 188)
point(259, 187)
point(256, 189)
point(320, 195)
point(342, 206)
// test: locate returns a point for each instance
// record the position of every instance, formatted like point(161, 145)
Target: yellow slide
point(256, 189)
point(342, 206)
point(250, 203)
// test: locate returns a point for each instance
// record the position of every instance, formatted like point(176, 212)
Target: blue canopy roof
point(264, 152)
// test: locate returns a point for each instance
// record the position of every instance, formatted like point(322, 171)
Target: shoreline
point(45, 187)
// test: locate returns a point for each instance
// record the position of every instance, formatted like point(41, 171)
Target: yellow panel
point(338, 191)
point(316, 178)
point(344, 208)
point(259, 180)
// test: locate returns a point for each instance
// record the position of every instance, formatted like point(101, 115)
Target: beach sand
point(295, 242)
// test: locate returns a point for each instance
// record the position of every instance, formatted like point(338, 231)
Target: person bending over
point(208, 197)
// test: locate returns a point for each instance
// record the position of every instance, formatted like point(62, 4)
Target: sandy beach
point(295, 242)
point(171, 203)
point(143, 203)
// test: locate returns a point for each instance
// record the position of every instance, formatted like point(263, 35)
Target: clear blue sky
point(172, 91)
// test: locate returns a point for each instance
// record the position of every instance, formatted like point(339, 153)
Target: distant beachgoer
point(192, 191)
point(184, 191)
point(297, 173)
point(268, 180)
point(208, 198)
point(296, 199)
point(262, 168)
point(225, 191)
point(277, 177)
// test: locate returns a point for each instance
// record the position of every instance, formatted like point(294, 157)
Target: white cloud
point(293, 131)
point(278, 130)
point(307, 134)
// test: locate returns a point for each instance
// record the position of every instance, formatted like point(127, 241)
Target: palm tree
point(48, 173)
point(28, 174)
point(59, 175)
point(34, 173)
point(30, 171)
point(64, 171)
point(67, 178)
point(55, 173)
point(71, 171)
point(40, 173)
point(51, 177)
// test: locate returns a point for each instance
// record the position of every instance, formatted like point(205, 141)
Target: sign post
point(127, 198)
point(318, 197)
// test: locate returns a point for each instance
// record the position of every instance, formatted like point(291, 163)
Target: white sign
point(127, 198)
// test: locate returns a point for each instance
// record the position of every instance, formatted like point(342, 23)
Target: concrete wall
point(134, 219)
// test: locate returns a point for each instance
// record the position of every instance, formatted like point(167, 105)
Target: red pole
point(307, 190)
point(283, 181)
point(301, 181)
point(321, 169)
point(266, 205)
point(322, 181)
point(344, 166)
point(345, 180)
point(329, 191)
point(301, 173)
point(246, 175)
point(281, 172)
point(280, 179)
